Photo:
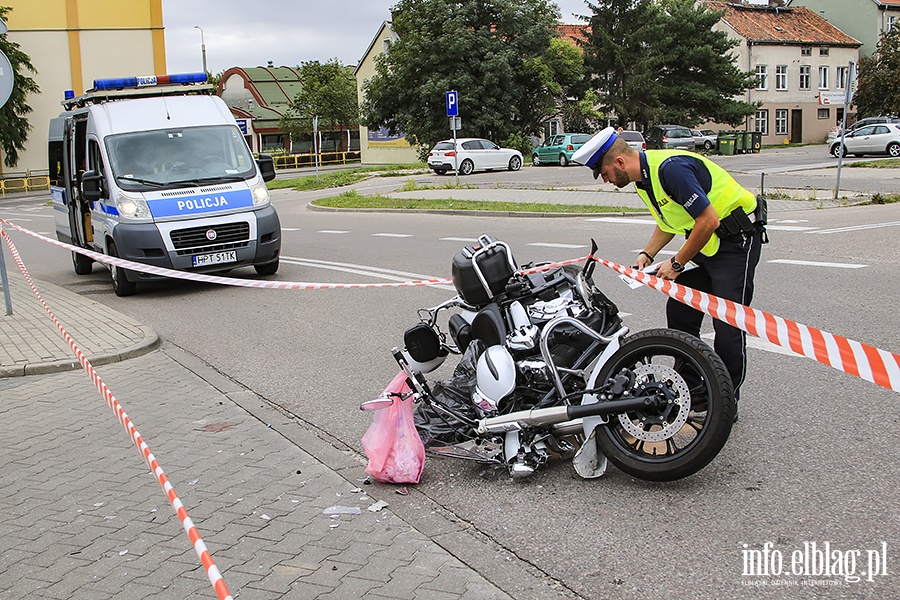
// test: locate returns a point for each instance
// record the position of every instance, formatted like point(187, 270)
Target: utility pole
point(202, 48)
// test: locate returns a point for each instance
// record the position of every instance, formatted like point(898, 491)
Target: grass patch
point(353, 199)
point(885, 199)
point(889, 163)
point(333, 179)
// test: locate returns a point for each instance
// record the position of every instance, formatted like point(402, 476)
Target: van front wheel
point(267, 269)
point(121, 285)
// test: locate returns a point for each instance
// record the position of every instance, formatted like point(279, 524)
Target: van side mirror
point(266, 166)
point(92, 186)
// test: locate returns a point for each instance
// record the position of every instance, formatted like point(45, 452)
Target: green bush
point(520, 142)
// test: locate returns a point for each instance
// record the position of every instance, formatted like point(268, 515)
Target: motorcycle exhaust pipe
point(560, 414)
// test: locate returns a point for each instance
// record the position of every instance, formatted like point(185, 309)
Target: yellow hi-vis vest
point(725, 195)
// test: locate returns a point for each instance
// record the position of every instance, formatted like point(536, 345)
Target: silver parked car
point(472, 154)
point(704, 139)
point(635, 139)
point(870, 139)
point(670, 136)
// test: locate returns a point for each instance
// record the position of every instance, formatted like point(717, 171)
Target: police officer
point(690, 195)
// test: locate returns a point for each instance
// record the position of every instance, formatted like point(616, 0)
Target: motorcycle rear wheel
point(676, 441)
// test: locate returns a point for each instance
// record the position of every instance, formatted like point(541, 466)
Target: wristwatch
point(677, 266)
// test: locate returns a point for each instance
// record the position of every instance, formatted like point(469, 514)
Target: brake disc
point(654, 425)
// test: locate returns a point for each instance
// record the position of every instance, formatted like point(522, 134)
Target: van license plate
point(216, 258)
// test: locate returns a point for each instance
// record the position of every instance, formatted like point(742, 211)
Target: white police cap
point(591, 153)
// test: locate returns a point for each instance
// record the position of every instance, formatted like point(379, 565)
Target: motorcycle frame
point(562, 419)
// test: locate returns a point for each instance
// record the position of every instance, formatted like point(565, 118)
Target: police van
point(155, 170)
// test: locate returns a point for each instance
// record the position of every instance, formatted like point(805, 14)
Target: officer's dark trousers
point(727, 274)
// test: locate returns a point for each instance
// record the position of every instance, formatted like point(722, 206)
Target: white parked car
point(871, 139)
point(472, 154)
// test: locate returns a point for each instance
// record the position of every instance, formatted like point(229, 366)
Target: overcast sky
point(249, 33)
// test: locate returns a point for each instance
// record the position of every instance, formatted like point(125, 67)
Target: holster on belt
point(735, 225)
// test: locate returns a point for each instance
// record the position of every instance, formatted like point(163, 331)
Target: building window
point(806, 51)
point(762, 122)
point(890, 23)
point(762, 77)
point(551, 128)
point(804, 76)
point(781, 82)
point(823, 51)
point(824, 113)
point(781, 121)
point(823, 77)
point(840, 78)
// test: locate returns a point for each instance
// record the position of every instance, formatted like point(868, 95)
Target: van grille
point(228, 235)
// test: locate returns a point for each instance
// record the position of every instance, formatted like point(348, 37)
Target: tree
point(14, 125)
point(879, 78)
point(581, 114)
point(502, 56)
point(617, 57)
point(328, 92)
point(661, 61)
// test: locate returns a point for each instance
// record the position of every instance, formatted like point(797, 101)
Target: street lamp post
point(202, 47)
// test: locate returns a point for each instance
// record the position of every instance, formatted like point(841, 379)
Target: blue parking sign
point(452, 104)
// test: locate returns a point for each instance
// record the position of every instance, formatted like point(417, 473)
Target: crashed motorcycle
point(548, 370)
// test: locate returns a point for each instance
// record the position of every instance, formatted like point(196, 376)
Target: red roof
point(794, 25)
point(575, 33)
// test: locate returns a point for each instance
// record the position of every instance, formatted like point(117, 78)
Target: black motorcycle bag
point(481, 271)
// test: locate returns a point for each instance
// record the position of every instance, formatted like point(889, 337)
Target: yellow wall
point(73, 42)
point(391, 152)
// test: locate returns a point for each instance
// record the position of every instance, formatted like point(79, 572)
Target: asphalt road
point(813, 459)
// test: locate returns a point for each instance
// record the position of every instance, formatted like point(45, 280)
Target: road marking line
point(290, 229)
point(332, 231)
point(754, 342)
point(624, 220)
point(457, 239)
point(858, 227)
point(552, 245)
point(809, 263)
point(392, 235)
point(791, 228)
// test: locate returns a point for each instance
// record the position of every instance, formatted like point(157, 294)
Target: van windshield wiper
point(144, 181)
point(205, 180)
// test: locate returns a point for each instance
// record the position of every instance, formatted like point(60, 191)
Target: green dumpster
point(756, 144)
point(738, 142)
point(726, 142)
point(748, 141)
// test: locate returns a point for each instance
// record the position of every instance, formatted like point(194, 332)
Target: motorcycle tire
point(678, 440)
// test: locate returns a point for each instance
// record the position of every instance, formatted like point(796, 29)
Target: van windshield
point(147, 160)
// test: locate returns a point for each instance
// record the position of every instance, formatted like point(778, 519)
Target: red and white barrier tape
point(849, 356)
point(212, 572)
point(250, 283)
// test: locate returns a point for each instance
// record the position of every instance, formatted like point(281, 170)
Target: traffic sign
point(452, 104)
point(6, 79)
point(455, 123)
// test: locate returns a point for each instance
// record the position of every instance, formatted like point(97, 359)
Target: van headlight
point(260, 193)
point(132, 207)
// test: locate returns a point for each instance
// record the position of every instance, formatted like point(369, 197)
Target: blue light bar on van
point(116, 83)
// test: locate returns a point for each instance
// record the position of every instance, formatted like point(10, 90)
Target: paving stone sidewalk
point(82, 517)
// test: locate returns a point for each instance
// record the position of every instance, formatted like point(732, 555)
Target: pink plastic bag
point(395, 450)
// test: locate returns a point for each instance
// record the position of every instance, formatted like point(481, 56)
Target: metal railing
point(297, 161)
point(19, 185)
